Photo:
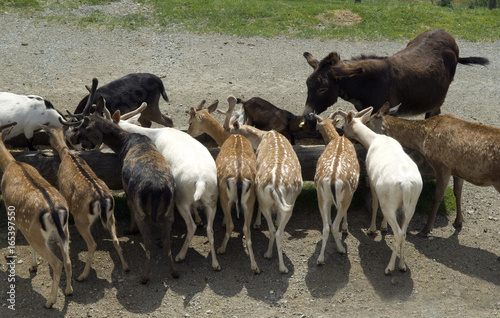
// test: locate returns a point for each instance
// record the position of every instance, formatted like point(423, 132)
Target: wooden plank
point(107, 166)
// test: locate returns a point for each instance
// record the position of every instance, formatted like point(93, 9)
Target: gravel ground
point(450, 274)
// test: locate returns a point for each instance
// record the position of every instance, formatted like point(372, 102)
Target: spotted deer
point(278, 181)
point(336, 180)
point(236, 168)
point(41, 213)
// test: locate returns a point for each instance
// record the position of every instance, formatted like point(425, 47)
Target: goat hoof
point(284, 270)
point(81, 278)
point(320, 262)
point(256, 271)
point(49, 304)
point(144, 280)
point(69, 291)
point(126, 268)
point(33, 269)
point(388, 271)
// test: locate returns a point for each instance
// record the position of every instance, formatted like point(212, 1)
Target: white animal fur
point(195, 175)
point(278, 181)
point(236, 162)
point(336, 180)
point(395, 180)
point(29, 111)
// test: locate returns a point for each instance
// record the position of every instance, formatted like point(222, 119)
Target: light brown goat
point(236, 167)
point(336, 180)
point(278, 181)
point(452, 147)
point(88, 197)
point(40, 212)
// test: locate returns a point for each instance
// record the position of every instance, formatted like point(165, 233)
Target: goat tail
point(411, 191)
point(473, 60)
point(277, 194)
point(336, 189)
point(101, 207)
point(200, 187)
point(57, 219)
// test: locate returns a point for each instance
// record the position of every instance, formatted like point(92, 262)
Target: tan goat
point(41, 213)
point(236, 167)
point(336, 180)
point(452, 147)
point(88, 197)
point(278, 181)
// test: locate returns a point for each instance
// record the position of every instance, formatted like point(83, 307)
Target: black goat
point(128, 93)
point(265, 116)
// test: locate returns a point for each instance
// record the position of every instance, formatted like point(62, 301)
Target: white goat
point(336, 180)
point(395, 180)
point(40, 212)
point(278, 181)
point(30, 112)
point(195, 175)
point(236, 166)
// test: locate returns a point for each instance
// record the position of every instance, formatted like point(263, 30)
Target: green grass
point(378, 19)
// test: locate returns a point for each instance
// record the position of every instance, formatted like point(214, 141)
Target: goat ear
point(365, 114)
point(213, 106)
point(133, 119)
point(116, 117)
point(311, 60)
point(349, 117)
point(394, 110)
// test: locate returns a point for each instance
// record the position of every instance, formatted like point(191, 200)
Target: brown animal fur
point(336, 180)
point(452, 147)
point(278, 181)
point(416, 77)
point(88, 197)
point(236, 166)
point(41, 213)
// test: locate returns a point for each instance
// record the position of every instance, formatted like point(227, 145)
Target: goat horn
point(86, 110)
point(77, 116)
point(134, 112)
point(12, 123)
point(68, 123)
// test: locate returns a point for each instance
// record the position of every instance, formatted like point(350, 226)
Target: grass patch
point(370, 20)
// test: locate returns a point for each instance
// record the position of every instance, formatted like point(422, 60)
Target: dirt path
point(451, 274)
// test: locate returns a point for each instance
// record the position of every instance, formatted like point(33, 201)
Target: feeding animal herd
point(163, 168)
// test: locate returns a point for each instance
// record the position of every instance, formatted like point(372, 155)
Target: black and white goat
point(29, 111)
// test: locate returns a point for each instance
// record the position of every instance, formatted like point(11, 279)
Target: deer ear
point(191, 112)
point(213, 106)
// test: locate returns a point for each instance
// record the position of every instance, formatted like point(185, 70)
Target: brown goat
point(417, 77)
point(88, 197)
point(265, 116)
point(452, 147)
point(40, 212)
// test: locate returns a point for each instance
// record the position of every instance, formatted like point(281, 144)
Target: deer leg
point(457, 191)
point(442, 178)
